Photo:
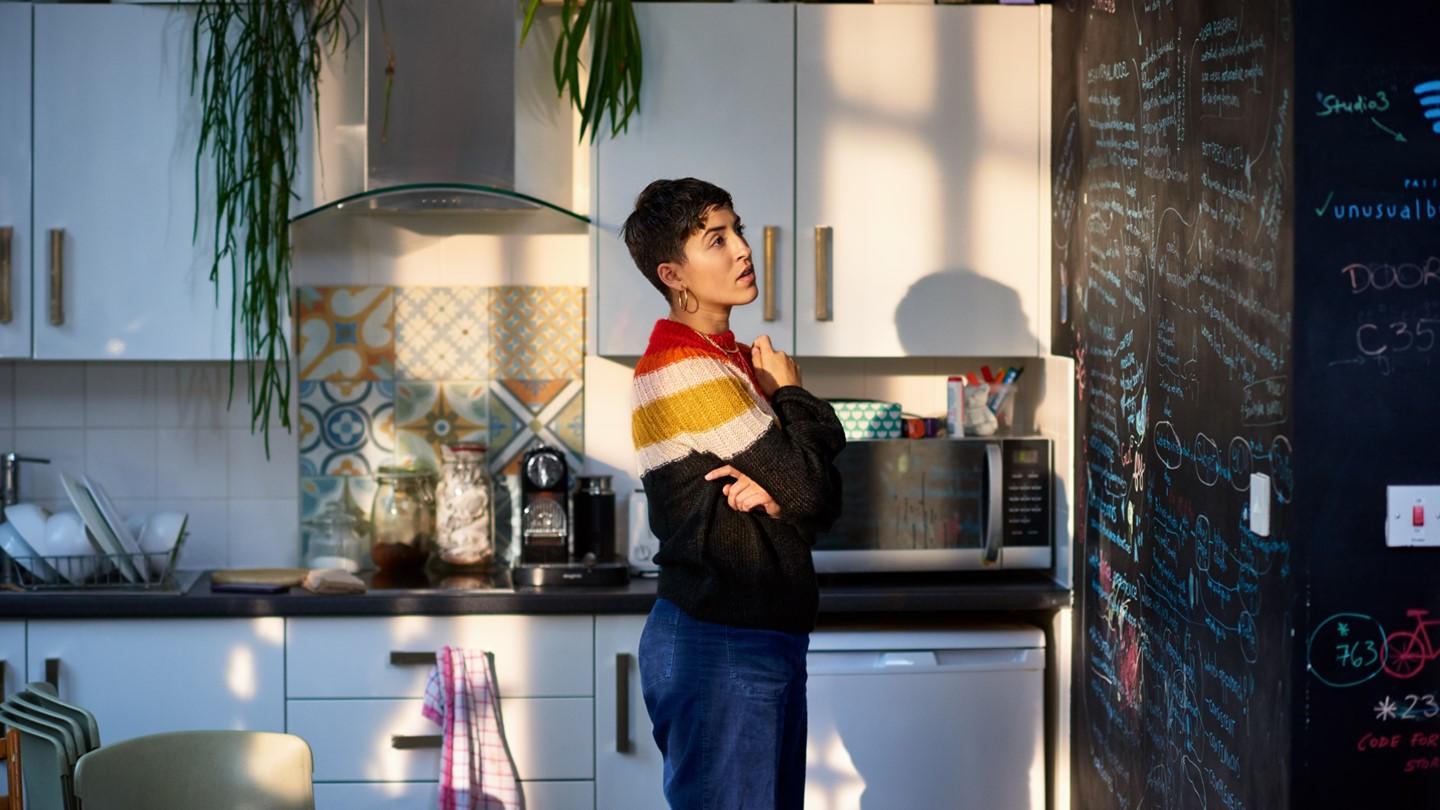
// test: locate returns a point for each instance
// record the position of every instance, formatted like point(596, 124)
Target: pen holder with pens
point(981, 408)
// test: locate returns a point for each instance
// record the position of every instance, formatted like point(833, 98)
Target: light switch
point(1260, 504)
point(1412, 516)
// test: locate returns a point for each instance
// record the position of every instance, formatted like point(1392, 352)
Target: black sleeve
point(794, 459)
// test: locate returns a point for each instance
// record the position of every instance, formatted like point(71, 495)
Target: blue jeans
point(728, 708)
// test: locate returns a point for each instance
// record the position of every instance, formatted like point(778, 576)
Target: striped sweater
point(697, 408)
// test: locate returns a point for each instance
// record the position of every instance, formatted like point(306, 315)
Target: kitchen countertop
point(952, 594)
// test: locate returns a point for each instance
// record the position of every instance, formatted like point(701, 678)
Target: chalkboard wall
point(1172, 256)
point(1367, 339)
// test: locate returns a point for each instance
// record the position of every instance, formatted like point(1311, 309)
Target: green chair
point(45, 764)
point(182, 770)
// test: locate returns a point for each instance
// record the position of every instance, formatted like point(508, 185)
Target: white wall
point(158, 436)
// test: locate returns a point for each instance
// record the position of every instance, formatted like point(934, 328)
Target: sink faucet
point(10, 480)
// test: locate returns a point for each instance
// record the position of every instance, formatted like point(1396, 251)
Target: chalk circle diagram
point(1242, 463)
point(1167, 445)
point(1207, 460)
point(1282, 475)
point(1346, 631)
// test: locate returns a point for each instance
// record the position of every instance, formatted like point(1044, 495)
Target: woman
point(736, 460)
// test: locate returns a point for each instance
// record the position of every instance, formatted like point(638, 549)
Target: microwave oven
point(942, 505)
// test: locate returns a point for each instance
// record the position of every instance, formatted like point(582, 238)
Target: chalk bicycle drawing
point(1407, 651)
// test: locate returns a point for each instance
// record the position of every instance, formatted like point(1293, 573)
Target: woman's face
point(717, 269)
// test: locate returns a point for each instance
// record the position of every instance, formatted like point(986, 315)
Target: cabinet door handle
point(622, 704)
point(411, 659)
point(6, 309)
point(57, 276)
point(402, 742)
point(824, 237)
point(52, 673)
point(771, 232)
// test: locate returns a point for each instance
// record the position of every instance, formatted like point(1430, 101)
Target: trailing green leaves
point(254, 64)
point(613, 84)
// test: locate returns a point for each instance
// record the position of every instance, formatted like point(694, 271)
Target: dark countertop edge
point(635, 598)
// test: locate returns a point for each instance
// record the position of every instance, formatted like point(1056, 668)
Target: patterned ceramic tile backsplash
point(388, 375)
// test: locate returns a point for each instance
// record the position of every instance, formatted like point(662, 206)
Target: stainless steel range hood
point(424, 107)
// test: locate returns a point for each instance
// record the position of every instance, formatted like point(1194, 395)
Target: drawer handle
point(7, 312)
point(411, 659)
point(622, 704)
point(402, 742)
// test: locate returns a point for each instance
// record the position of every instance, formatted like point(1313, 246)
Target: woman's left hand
point(744, 495)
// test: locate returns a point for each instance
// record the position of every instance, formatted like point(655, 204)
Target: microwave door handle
point(995, 518)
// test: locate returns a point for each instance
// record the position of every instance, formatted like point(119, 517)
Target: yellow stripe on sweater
point(697, 409)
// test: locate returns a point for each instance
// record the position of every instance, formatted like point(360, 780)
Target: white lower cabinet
point(355, 740)
point(146, 676)
point(418, 795)
point(12, 657)
point(355, 689)
point(628, 768)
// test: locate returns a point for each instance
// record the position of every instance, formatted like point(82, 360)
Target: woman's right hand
point(774, 369)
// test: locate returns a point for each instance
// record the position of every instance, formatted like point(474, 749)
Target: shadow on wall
point(937, 297)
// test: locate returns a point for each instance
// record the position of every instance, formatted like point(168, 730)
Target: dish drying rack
point(71, 572)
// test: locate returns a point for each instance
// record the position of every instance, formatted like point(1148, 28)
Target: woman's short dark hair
point(666, 213)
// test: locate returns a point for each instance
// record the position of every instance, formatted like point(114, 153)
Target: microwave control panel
point(1027, 497)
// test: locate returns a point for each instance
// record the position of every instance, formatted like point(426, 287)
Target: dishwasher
point(929, 720)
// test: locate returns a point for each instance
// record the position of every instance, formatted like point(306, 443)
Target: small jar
point(465, 513)
point(402, 518)
point(333, 540)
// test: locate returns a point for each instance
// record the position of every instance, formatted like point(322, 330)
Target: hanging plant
point(613, 85)
point(255, 65)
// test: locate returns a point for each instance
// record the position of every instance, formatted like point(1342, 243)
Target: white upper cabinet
point(716, 103)
point(115, 136)
point(918, 144)
point(15, 179)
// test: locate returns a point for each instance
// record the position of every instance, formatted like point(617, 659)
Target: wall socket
point(1260, 504)
point(1412, 516)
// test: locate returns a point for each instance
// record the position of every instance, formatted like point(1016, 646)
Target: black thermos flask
point(595, 519)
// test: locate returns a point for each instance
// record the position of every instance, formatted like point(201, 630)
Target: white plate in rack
point(117, 523)
point(105, 540)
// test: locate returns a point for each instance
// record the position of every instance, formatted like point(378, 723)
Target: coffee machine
point(544, 506)
point(545, 528)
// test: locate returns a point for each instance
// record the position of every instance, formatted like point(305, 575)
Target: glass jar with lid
point(333, 539)
point(465, 513)
point(402, 518)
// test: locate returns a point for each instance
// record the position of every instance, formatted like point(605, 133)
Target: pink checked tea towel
point(476, 771)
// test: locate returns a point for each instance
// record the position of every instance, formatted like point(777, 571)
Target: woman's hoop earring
point(684, 301)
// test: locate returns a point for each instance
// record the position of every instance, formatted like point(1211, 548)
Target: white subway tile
point(264, 533)
point(252, 475)
point(192, 463)
point(49, 395)
point(122, 460)
point(193, 395)
point(65, 448)
point(207, 530)
point(119, 395)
